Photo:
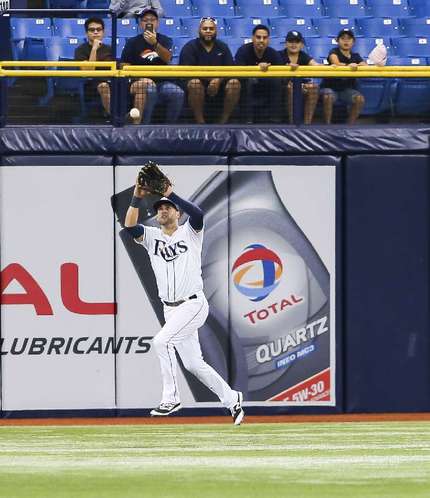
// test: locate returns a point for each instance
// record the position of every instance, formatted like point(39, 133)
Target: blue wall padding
point(386, 285)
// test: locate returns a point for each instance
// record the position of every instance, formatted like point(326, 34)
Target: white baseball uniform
point(176, 261)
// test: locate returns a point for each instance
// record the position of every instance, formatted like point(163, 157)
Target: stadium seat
point(388, 8)
point(411, 97)
point(241, 27)
point(365, 45)
point(300, 8)
point(69, 28)
point(257, 8)
point(177, 8)
point(331, 26)
point(235, 43)
point(415, 27)
point(98, 4)
point(396, 60)
point(279, 26)
point(319, 48)
point(30, 27)
point(419, 8)
point(125, 28)
point(57, 47)
point(376, 93)
point(178, 43)
point(120, 43)
point(213, 8)
point(377, 27)
point(66, 4)
point(34, 49)
point(190, 26)
point(170, 26)
point(345, 8)
point(411, 47)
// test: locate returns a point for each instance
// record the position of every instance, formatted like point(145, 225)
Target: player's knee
point(193, 365)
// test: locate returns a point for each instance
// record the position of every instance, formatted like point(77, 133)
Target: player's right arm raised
point(135, 230)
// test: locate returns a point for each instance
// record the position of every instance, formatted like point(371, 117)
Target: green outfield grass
point(345, 460)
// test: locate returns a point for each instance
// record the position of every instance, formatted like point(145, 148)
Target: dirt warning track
point(251, 419)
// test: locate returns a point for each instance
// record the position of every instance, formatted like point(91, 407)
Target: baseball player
point(175, 255)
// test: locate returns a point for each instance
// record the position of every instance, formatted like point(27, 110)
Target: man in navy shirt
point(207, 50)
point(262, 94)
point(294, 56)
point(344, 89)
point(151, 48)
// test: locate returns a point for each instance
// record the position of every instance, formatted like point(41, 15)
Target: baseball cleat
point(165, 409)
point(236, 410)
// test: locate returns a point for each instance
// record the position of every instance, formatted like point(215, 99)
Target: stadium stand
point(327, 26)
point(377, 27)
point(257, 8)
point(279, 26)
point(345, 8)
point(170, 26)
point(388, 8)
point(411, 47)
point(28, 27)
point(215, 8)
point(300, 8)
point(190, 26)
point(241, 27)
point(415, 27)
point(419, 8)
point(178, 8)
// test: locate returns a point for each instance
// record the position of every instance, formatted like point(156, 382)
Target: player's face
point(207, 31)
point(95, 31)
point(345, 42)
point(294, 47)
point(167, 215)
point(260, 39)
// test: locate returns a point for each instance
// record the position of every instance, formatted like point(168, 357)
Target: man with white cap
point(175, 254)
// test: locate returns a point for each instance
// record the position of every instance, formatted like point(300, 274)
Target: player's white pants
point(180, 333)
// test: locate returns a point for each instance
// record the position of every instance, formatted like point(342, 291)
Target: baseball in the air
point(134, 113)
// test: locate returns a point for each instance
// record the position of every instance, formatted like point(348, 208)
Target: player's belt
point(177, 303)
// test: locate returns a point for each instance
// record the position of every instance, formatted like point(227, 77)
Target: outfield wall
point(338, 323)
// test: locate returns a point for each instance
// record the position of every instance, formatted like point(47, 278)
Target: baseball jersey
point(176, 261)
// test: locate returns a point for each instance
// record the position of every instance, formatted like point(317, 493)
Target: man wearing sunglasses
point(207, 50)
point(131, 8)
point(95, 50)
point(151, 48)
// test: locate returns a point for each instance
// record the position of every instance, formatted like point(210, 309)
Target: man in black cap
point(294, 56)
point(262, 94)
point(344, 89)
point(207, 50)
point(151, 48)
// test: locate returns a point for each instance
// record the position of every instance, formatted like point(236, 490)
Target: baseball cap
point(164, 200)
point(294, 36)
point(346, 31)
point(147, 11)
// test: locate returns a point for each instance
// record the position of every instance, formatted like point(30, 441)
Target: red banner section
point(316, 388)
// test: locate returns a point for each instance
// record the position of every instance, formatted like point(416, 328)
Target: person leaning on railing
point(151, 48)
point(262, 96)
point(344, 89)
point(206, 50)
point(95, 50)
point(294, 56)
point(131, 8)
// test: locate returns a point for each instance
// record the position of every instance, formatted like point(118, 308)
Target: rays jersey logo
point(149, 56)
point(169, 252)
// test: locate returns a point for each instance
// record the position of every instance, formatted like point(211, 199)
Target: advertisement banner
point(269, 275)
point(57, 287)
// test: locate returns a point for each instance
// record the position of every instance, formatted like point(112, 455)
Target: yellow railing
point(108, 69)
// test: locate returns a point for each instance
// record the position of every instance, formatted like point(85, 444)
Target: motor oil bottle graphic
point(268, 290)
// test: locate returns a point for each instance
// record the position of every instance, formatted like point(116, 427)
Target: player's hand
point(264, 66)
point(294, 66)
point(150, 37)
point(168, 191)
point(213, 87)
point(353, 66)
point(96, 44)
point(139, 191)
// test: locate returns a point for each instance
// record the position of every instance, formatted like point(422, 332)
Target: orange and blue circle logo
point(257, 272)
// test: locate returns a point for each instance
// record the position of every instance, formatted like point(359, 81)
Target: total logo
point(257, 273)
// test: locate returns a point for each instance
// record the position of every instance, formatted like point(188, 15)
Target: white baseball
point(134, 113)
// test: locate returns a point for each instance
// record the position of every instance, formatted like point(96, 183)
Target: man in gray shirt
point(129, 8)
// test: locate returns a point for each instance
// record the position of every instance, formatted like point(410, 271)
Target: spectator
point(95, 50)
point(344, 89)
point(294, 56)
point(262, 94)
point(152, 48)
point(131, 8)
point(207, 50)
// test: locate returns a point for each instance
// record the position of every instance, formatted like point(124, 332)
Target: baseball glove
point(152, 179)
